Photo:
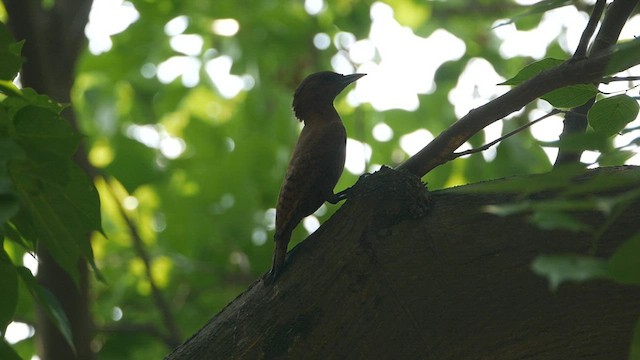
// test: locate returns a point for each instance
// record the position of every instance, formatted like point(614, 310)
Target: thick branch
point(440, 149)
point(383, 280)
point(575, 122)
point(573, 72)
point(614, 20)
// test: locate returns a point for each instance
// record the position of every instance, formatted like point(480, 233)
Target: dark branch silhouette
point(573, 71)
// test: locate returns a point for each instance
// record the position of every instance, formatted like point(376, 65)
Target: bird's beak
point(348, 79)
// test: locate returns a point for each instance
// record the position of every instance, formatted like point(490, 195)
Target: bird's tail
point(279, 256)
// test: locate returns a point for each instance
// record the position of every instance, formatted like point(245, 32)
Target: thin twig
point(628, 130)
point(149, 329)
point(576, 122)
point(581, 71)
point(439, 150)
point(581, 50)
point(173, 338)
point(617, 15)
point(610, 79)
point(488, 145)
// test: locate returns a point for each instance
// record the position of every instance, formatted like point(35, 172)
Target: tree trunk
point(54, 38)
point(400, 274)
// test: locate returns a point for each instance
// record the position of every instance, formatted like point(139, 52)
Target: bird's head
point(317, 91)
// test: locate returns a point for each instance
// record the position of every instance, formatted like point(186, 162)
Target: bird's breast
point(314, 170)
point(324, 143)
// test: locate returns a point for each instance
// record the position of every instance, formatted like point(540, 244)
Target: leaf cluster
point(46, 200)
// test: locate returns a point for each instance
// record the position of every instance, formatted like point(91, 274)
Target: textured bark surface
point(398, 274)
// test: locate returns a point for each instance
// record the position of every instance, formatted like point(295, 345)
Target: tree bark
point(397, 273)
point(54, 38)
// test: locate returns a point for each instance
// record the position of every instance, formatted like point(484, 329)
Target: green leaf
point(63, 209)
point(20, 98)
point(559, 178)
point(10, 233)
point(7, 352)
point(557, 220)
point(571, 96)
point(9, 150)
point(539, 7)
point(623, 266)
point(564, 98)
point(42, 101)
point(624, 56)
point(49, 303)
point(10, 58)
point(555, 206)
point(9, 288)
point(604, 182)
point(42, 220)
point(532, 70)
point(615, 158)
point(634, 353)
point(9, 88)
point(43, 133)
point(48, 4)
point(561, 268)
point(9, 201)
point(610, 115)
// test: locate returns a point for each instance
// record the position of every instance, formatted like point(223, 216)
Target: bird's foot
point(270, 277)
point(342, 195)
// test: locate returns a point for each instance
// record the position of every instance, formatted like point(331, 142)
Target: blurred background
point(187, 106)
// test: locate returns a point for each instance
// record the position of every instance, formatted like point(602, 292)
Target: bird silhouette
point(317, 161)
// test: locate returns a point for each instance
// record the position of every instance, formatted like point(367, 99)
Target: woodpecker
point(317, 161)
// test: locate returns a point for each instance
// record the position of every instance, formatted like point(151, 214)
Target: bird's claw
point(342, 195)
